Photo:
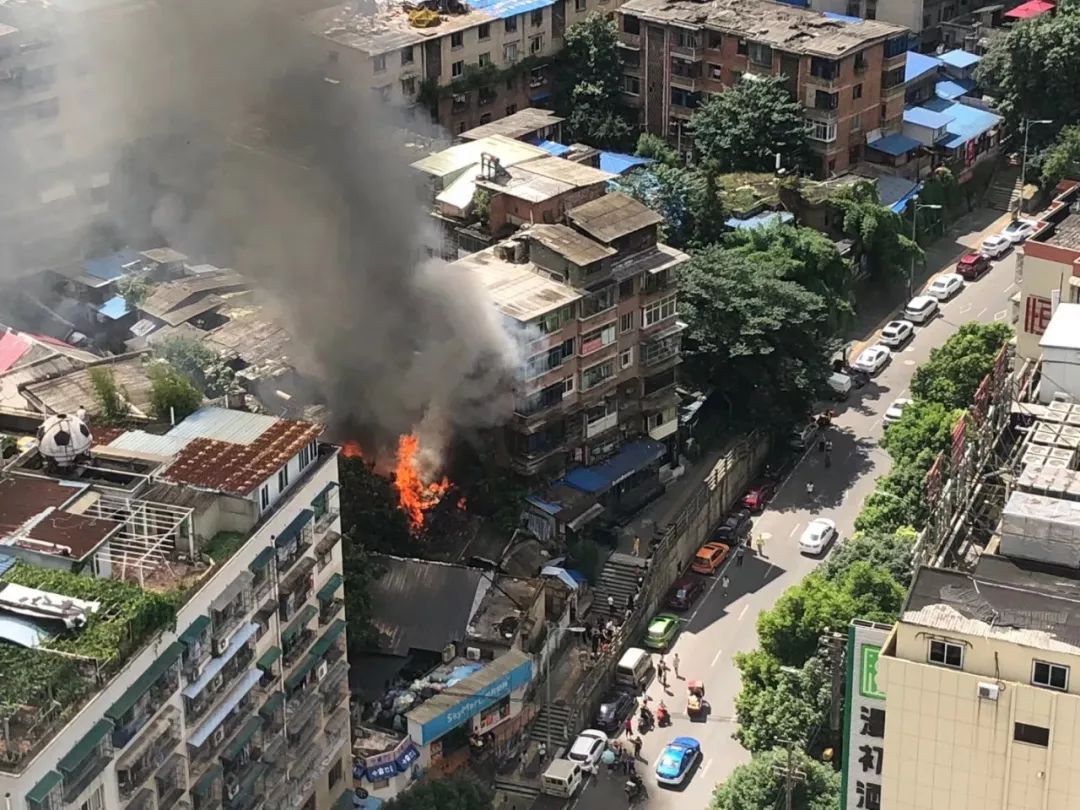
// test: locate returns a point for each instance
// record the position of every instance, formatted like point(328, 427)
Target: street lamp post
point(1023, 163)
point(916, 208)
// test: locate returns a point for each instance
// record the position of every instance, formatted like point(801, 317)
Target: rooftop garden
point(223, 545)
point(747, 193)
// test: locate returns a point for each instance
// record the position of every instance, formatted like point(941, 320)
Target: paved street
point(723, 624)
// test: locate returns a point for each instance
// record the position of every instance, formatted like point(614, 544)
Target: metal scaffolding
point(150, 534)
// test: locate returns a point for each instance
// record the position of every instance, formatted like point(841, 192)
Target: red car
point(757, 497)
point(684, 593)
point(972, 266)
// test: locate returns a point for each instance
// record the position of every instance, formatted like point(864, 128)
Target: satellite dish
point(62, 439)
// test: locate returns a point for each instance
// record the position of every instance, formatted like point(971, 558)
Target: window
point(823, 68)
point(626, 322)
point(510, 53)
point(685, 98)
point(510, 24)
point(626, 358)
point(946, 653)
point(597, 339)
point(591, 377)
point(511, 109)
point(537, 18)
point(379, 63)
point(283, 478)
point(568, 385)
point(686, 39)
point(580, 5)
point(823, 100)
point(626, 289)
point(536, 44)
point(457, 40)
point(821, 131)
point(485, 59)
point(335, 773)
point(760, 54)
point(741, 47)
point(457, 69)
point(408, 86)
point(1054, 676)
point(853, 9)
point(1032, 735)
point(658, 311)
point(716, 41)
point(631, 85)
point(484, 31)
point(96, 800)
point(631, 24)
point(856, 91)
point(598, 301)
point(871, 10)
point(382, 92)
point(407, 56)
point(264, 498)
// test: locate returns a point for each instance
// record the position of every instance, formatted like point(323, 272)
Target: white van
point(562, 778)
point(839, 385)
point(635, 668)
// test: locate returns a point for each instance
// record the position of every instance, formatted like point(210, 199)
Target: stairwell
point(618, 579)
point(554, 723)
point(1004, 192)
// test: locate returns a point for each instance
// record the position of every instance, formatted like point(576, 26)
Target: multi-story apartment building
point(848, 75)
point(173, 626)
point(595, 302)
point(470, 63)
point(923, 17)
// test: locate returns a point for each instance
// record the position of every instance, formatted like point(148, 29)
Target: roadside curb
point(856, 346)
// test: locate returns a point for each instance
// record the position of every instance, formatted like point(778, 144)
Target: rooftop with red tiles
point(31, 513)
point(238, 469)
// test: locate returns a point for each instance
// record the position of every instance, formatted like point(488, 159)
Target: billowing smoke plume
point(335, 232)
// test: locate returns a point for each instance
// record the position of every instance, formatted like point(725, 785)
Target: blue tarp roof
point(108, 268)
point(114, 308)
point(631, 458)
point(951, 90)
point(539, 97)
point(761, 220)
point(832, 15)
point(923, 117)
point(620, 163)
point(896, 192)
point(551, 147)
point(960, 59)
point(919, 64)
point(501, 9)
point(544, 506)
point(967, 122)
point(896, 144)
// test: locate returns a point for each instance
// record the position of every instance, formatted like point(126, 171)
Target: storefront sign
point(864, 734)
point(386, 758)
point(472, 705)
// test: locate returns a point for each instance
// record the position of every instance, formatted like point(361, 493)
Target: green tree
point(656, 148)
point(890, 551)
point(134, 290)
point(879, 235)
point(590, 83)
point(762, 339)
point(777, 704)
point(743, 128)
point(112, 403)
point(457, 793)
point(953, 373)
point(756, 786)
point(204, 366)
point(359, 571)
point(924, 425)
point(481, 202)
point(686, 198)
point(369, 509)
point(172, 394)
point(1062, 158)
point(899, 499)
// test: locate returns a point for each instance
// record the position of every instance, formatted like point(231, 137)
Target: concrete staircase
point(556, 718)
point(618, 578)
point(1004, 191)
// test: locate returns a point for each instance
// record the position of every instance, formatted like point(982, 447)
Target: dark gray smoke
point(329, 219)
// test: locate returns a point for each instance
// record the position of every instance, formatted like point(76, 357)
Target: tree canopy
point(590, 84)
point(685, 197)
point(880, 236)
point(756, 785)
point(890, 551)
point(742, 128)
point(924, 426)
point(369, 509)
point(457, 793)
point(172, 394)
point(775, 705)
point(1062, 158)
point(953, 373)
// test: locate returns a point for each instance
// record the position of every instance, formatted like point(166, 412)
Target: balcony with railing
point(324, 549)
point(218, 676)
point(245, 791)
point(206, 792)
point(662, 346)
point(147, 753)
point(231, 606)
point(688, 44)
point(86, 760)
point(146, 696)
point(143, 800)
point(169, 781)
point(294, 540)
point(206, 739)
point(326, 506)
point(295, 588)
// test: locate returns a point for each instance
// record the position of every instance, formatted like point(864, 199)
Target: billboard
point(864, 718)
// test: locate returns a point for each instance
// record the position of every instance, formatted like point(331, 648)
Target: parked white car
point(896, 410)
point(817, 536)
point(921, 308)
point(945, 286)
point(588, 747)
point(1018, 230)
point(995, 246)
point(873, 359)
point(897, 333)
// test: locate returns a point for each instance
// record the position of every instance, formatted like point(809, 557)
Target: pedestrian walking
point(628, 726)
point(828, 447)
point(637, 546)
point(630, 601)
point(761, 545)
point(724, 582)
point(595, 643)
point(637, 747)
point(611, 604)
point(739, 556)
point(675, 664)
point(821, 445)
point(542, 751)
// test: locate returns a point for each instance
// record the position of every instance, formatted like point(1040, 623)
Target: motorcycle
point(663, 719)
point(635, 789)
point(645, 721)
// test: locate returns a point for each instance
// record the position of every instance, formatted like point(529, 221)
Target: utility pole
point(833, 646)
point(790, 774)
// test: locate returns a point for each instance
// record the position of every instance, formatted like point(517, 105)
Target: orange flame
point(461, 503)
point(415, 497)
point(351, 450)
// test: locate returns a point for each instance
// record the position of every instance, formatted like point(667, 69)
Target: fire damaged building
point(596, 299)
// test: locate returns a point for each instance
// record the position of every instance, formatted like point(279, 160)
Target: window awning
point(242, 738)
point(292, 531)
point(320, 647)
point(306, 615)
point(142, 684)
point(633, 456)
point(327, 591)
point(300, 673)
point(1032, 8)
point(262, 559)
point(273, 703)
point(267, 659)
point(85, 747)
point(206, 781)
point(239, 639)
point(40, 792)
point(195, 630)
point(325, 491)
point(232, 700)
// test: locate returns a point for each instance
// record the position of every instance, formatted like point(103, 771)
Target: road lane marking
point(1009, 288)
point(716, 658)
point(982, 312)
point(794, 529)
point(705, 767)
point(743, 612)
point(1000, 316)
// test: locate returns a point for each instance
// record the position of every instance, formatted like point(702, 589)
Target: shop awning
point(633, 457)
point(291, 532)
point(327, 591)
point(232, 700)
point(216, 664)
point(1032, 8)
point(273, 703)
point(85, 747)
point(195, 630)
point(267, 659)
point(242, 738)
point(40, 792)
point(895, 144)
point(320, 647)
point(306, 615)
point(262, 559)
point(206, 781)
point(143, 683)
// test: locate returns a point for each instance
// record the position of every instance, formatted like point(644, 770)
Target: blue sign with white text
point(473, 705)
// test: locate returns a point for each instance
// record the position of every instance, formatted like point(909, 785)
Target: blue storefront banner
point(492, 693)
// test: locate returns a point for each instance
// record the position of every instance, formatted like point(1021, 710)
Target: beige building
point(983, 712)
point(1047, 271)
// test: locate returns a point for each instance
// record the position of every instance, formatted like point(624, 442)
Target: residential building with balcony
point(595, 301)
point(468, 63)
point(185, 647)
point(848, 75)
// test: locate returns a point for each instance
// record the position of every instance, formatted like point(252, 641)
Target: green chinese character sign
point(868, 658)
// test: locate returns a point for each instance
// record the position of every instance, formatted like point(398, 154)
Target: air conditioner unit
point(232, 787)
point(448, 653)
point(219, 736)
point(195, 671)
point(217, 681)
point(988, 691)
point(320, 672)
point(220, 645)
point(472, 653)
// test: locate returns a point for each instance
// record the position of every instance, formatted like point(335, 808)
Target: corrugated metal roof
point(460, 157)
point(501, 9)
point(922, 117)
point(960, 59)
point(918, 65)
point(110, 267)
point(139, 441)
point(23, 632)
point(966, 122)
point(115, 308)
point(223, 424)
point(12, 348)
point(613, 216)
